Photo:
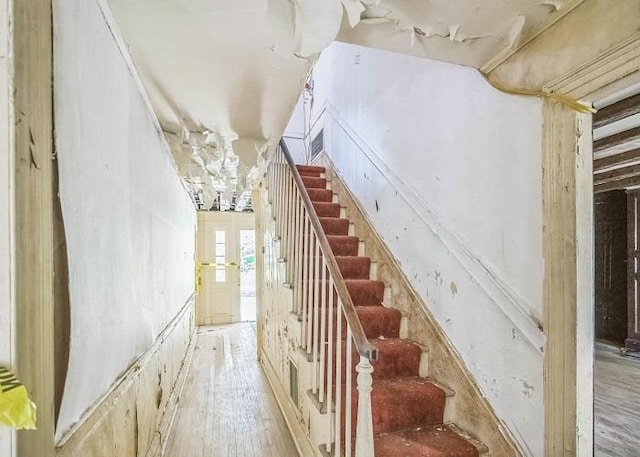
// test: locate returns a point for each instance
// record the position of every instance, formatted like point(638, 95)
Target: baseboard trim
point(83, 430)
point(300, 438)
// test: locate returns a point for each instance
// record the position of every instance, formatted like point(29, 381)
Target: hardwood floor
point(227, 408)
point(616, 403)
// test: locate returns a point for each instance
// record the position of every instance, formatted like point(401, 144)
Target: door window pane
point(220, 256)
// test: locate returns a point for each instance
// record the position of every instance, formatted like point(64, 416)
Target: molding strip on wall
point(508, 301)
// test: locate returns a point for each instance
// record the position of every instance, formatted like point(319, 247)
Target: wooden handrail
point(360, 340)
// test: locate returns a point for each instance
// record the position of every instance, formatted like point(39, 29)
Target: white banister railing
point(331, 332)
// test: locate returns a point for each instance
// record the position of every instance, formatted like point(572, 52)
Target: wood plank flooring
point(227, 408)
point(616, 404)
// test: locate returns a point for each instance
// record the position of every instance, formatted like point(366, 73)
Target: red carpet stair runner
point(408, 409)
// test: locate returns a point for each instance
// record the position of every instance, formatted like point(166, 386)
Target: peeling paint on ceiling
point(470, 33)
point(224, 76)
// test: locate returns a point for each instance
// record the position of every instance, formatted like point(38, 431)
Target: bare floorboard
point(616, 404)
point(227, 408)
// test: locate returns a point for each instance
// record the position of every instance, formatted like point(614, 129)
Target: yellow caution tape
point(201, 265)
point(567, 101)
point(16, 408)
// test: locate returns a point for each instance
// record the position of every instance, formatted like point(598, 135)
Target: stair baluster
point(331, 330)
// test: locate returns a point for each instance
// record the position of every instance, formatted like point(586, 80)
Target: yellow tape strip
point(201, 265)
point(575, 105)
point(16, 409)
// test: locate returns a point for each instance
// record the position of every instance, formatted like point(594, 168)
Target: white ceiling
point(237, 67)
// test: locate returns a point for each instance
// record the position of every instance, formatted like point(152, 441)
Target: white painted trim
point(585, 292)
point(8, 440)
point(603, 70)
point(610, 69)
point(508, 301)
point(495, 62)
point(298, 432)
point(569, 362)
point(97, 412)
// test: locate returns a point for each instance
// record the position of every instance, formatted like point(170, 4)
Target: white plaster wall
point(129, 223)
point(6, 212)
point(294, 134)
point(449, 172)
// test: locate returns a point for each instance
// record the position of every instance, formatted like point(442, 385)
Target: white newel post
point(364, 427)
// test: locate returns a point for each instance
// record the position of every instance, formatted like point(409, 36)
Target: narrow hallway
point(227, 408)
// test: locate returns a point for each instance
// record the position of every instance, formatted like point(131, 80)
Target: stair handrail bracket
point(331, 333)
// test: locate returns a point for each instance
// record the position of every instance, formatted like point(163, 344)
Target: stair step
point(334, 225)
point(428, 441)
point(365, 292)
point(343, 245)
point(320, 195)
point(325, 209)
point(402, 403)
point(310, 170)
point(354, 267)
point(313, 182)
point(407, 407)
point(396, 357)
point(378, 321)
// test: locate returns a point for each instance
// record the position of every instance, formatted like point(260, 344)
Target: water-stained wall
point(449, 172)
point(129, 224)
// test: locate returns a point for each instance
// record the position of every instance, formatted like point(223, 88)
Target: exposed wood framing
point(624, 158)
point(617, 174)
point(623, 183)
point(32, 28)
point(620, 110)
point(616, 140)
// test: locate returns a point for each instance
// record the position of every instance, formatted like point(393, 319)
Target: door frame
point(7, 176)
point(236, 221)
point(32, 189)
point(568, 248)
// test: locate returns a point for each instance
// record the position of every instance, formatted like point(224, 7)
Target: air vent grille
point(317, 144)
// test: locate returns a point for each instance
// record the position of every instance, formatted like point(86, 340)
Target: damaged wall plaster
point(432, 142)
point(213, 168)
point(129, 223)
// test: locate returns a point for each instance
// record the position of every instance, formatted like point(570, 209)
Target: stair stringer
point(468, 409)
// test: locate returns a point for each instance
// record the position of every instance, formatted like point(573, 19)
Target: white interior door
point(218, 264)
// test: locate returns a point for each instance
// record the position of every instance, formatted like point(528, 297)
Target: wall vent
point(317, 144)
point(293, 382)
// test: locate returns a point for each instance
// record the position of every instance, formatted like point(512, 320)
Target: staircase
point(407, 406)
